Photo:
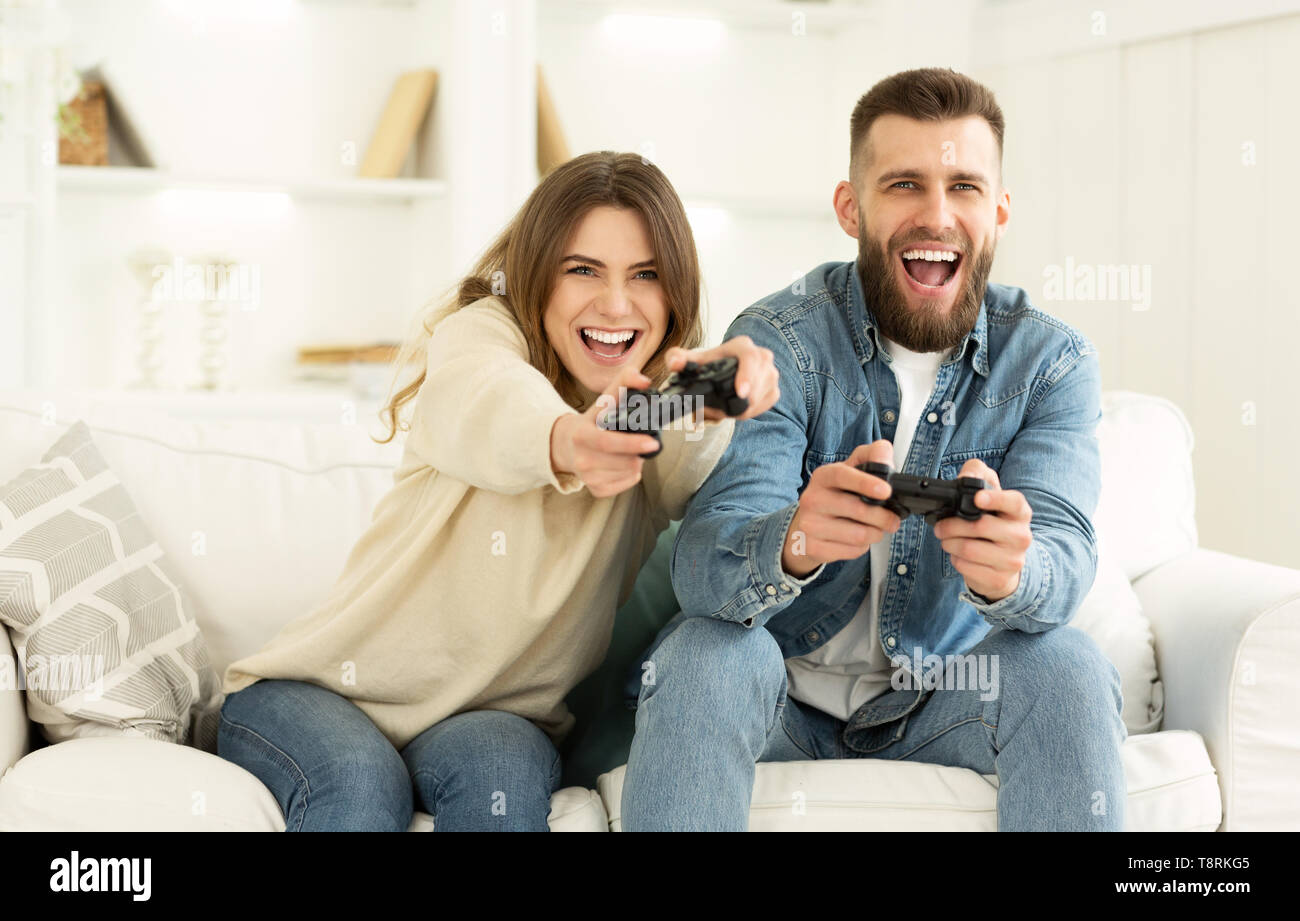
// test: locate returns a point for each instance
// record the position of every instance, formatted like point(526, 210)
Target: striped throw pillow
point(103, 640)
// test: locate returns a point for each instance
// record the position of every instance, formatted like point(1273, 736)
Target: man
point(809, 616)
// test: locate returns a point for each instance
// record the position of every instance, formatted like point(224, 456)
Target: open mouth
point(931, 270)
point(608, 346)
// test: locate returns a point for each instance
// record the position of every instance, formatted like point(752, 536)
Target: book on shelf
point(408, 104)
point(347, 352)
point(552, 149)
point(130, 143)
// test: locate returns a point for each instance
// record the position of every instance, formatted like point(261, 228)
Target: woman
point(434, 674)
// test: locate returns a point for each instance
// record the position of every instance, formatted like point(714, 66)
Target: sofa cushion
point(1146, 512)
point(307, 491)
point(1170, 781)
point(1112, 615)
point(120, 784)
point(94, 608)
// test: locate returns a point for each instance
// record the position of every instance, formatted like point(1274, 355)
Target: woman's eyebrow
point(576, 257)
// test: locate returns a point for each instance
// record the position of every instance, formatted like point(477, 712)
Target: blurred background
point(1147, 146)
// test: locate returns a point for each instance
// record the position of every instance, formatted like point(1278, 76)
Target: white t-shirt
point(852, 668)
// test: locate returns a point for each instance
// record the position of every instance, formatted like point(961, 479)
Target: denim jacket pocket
point(814, 459)
point(949, 467)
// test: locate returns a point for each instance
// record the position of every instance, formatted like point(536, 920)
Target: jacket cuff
point(1035, 583)
point(770, 586)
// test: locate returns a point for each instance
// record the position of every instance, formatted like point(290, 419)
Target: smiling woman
point(486, 585)
point(608, 309)
point(603, 239)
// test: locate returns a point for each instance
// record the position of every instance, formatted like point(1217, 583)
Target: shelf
point(128, 180)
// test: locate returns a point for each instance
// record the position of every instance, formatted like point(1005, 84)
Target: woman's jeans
point(331, 769)
point(718, 705)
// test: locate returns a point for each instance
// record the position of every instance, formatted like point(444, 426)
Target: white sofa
point(258, 515)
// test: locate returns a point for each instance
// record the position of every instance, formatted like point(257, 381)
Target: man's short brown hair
point(927, 94)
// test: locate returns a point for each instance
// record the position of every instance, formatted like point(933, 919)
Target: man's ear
point(1004, 213)
point(845, 202)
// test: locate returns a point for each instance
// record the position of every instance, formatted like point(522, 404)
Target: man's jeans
point(717, 704)
point(331, 769)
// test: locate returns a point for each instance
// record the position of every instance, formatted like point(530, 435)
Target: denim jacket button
point(902, 569)
point(889, 415)
point(771, 589)
point(785, 587)
point(933, 417)
point(812, 636)
point(890, 641)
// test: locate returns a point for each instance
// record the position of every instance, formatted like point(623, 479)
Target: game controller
point(934, 499)
point(648, 411)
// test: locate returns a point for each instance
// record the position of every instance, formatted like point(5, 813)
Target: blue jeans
point(331, 769)
point(717, 705)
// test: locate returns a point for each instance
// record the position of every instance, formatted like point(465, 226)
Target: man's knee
point(704, 657)
point(1063, 661)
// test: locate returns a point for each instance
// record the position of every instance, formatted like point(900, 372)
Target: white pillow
point(1112, 615)
point(105, 642)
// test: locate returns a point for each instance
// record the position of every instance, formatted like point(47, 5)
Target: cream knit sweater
point(483, 581)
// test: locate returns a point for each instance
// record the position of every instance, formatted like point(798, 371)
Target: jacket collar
point(866, 333)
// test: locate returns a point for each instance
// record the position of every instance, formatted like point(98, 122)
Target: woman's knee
point(486, 745)
point(485, 770)
point(319, 755)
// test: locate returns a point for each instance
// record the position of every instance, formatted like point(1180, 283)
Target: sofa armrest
point(15, 731)
point(1227, 637)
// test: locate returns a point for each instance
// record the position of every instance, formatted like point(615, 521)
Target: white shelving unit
point(129, 180)
point(249, 129)
point(27, 196)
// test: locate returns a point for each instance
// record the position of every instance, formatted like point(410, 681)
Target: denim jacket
point(1021, 392)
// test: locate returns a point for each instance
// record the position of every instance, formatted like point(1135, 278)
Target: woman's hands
point(757, 379)
point(607, 461)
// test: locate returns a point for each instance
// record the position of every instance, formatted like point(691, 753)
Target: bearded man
point(807, 613)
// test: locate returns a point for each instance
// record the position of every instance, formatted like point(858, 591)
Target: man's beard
point(927, 328)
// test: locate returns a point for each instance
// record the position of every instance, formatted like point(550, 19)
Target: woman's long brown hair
point(522, 265)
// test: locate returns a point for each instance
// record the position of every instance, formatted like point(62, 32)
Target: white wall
point(1134, 154)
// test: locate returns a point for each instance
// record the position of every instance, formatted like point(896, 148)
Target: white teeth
point(930, 255)
point(609, 338)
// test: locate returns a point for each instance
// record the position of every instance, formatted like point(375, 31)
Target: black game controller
point(648, 411)
point(935, 499)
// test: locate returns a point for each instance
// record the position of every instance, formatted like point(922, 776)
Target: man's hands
point(989, 553)
point(757, 379)
point(607, 461)
point(832, 522)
